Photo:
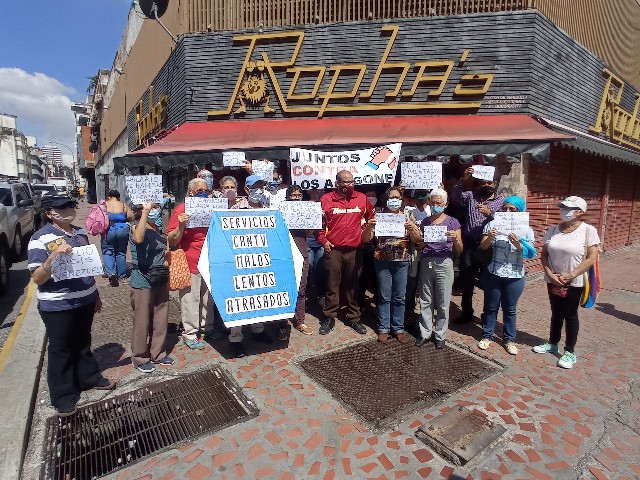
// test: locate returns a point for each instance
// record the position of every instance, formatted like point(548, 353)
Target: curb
point(19, 380)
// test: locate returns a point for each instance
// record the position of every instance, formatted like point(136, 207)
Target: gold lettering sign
point(154, 121)
point(620, 125)
point(430, 77)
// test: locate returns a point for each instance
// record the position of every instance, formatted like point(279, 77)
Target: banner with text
point(201, 209)
point(421, 175)
point(144, 188)
point(251, 265)
point(81, 262)
point(314, 169)
point(302, 215)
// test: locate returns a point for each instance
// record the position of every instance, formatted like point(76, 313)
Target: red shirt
point(343, 219)
point(192, 239)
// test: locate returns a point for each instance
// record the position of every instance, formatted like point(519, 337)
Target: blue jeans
point(505, 292)
point(114, 252)
point(392, 285)
point(412, 290)
point(316, 266)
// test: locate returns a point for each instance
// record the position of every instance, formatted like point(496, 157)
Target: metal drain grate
point(108, 435)
point(385, 382)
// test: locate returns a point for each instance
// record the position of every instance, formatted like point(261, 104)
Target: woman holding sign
point(503, 277)
point(66, 307)
point(392, 256)
point(442, 236)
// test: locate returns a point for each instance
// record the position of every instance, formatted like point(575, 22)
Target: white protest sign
point(201, 209)
point(263, 169)
point(422, 175)
point(144, 188)
point(312, 169)
point(302, 215)
point(435, 233)
point(484, 172)
point(81, 262)
point(508, 222)
point(233, 159)
point(390, 225)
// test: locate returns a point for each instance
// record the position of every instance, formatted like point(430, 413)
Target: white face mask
point(566, 214)
point(64, 215)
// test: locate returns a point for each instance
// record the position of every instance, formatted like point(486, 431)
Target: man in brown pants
point(344, 212)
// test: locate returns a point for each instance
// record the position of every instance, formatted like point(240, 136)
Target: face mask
point(200, 194)
point(437, 209)
point(346, 190)
point(295, 199)
point(153, 214)
point(394, 204)
point(372, 200)
point(486, 191)
point(65, 215)
point(256, 195)
point(274, 184)
point(566, 213)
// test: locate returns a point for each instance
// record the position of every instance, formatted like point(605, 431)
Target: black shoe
point(113, 280)
point(105, 384)
point(464, 318)
point(66, 411)
point(440, 344)
point(237, 349)
point(421, 341)
point(262, 337)
point(359, 327)
point(326, 325)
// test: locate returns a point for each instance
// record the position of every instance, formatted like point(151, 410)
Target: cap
point(251, 180)
point(422, 195)
point(62, 202)
point(574, 202)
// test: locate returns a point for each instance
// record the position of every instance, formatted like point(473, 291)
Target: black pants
point(72, 367)
point(565, 309)
point(343, 267)
point(469, 271)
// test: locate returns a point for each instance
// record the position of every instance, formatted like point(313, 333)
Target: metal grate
point(385, 382)
point(113, 433)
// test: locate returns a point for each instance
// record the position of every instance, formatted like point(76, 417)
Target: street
point(11, 302)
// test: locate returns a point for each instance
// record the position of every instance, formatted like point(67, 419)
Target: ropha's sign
point(257, 84)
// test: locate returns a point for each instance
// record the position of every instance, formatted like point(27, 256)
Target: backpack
point(98, 220)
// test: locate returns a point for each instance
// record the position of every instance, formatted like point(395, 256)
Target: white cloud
point(41, 103)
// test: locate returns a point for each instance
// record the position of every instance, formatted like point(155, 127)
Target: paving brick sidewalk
point(579, 423)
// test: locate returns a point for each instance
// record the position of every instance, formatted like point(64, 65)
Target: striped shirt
point(65, 294)
point(475, 219)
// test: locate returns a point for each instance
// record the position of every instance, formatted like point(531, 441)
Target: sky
point(47, 50)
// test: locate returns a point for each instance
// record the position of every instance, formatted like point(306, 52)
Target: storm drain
point(383, 383)
point(111, 434)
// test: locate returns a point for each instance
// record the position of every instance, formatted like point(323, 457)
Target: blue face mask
point(437, 209)
point(201, 194)
point(394, 203)
point(154, 214)
point(274, 184)
point(256, 195)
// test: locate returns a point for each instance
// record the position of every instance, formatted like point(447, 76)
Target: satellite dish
point(148, 7)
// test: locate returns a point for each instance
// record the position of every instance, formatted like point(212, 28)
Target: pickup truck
point(17, 223)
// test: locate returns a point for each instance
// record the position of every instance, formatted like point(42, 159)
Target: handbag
point(592, 282)
point(179, 273)
point(158, 275)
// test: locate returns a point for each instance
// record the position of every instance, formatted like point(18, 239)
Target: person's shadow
point(609, 309)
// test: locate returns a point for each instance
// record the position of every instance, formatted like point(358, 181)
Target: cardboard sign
point(233, 159)
point(263, 169)
point(435, 233)
point(302, 215)
point(251, 265)
point(421, 175)
point(144, 188)
point(390, 225)
point(508, 222)
point(201, 209)
point(484, 172)
point(81, 262)
point(312, 169)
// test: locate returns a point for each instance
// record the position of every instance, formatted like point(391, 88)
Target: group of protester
point(405, 267)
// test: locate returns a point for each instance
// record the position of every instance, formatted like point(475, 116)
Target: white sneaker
point(546, 348)
point(567, 360)
point(484, 344)
point(511, 348)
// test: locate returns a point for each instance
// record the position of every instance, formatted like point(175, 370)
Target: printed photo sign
point(421, 175)
point(81, 262)
point(302, 215)
point(144, 188)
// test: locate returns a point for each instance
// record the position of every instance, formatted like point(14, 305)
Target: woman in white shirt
point(569, 250)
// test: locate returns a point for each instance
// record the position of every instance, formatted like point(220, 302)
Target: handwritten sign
point(144, 188)
point(390, 225)
point(302, 215)
point(508, 222)
point(422, 175)
point(233, 159)
point(201, 209)
point(81, 262)
point(434, 233)
point(484, 172)
point(263, 169)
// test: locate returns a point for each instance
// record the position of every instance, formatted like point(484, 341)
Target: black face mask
point(486, 191)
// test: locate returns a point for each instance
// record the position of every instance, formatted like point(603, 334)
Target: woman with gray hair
point(442, 236)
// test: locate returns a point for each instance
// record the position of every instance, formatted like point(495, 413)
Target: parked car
point(36, 195)
point(47, 191)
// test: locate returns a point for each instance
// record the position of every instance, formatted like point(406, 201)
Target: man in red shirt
point(344, 212)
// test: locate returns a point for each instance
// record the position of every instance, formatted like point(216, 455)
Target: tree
point(93, 83)
point(68, 172)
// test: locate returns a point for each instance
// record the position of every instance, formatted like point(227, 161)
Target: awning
point(203, 142)
point(595, 145)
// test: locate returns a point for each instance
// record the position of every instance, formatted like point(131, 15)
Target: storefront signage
point(155, 119)
point(326, 96)
point(620, 125)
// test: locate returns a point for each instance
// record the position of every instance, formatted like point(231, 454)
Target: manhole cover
point(108, 435)
point(459, 434)
point(385, 382)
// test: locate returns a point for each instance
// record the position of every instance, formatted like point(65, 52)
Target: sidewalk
point(579, 423)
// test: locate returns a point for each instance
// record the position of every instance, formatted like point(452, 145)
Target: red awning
point(260, 134)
